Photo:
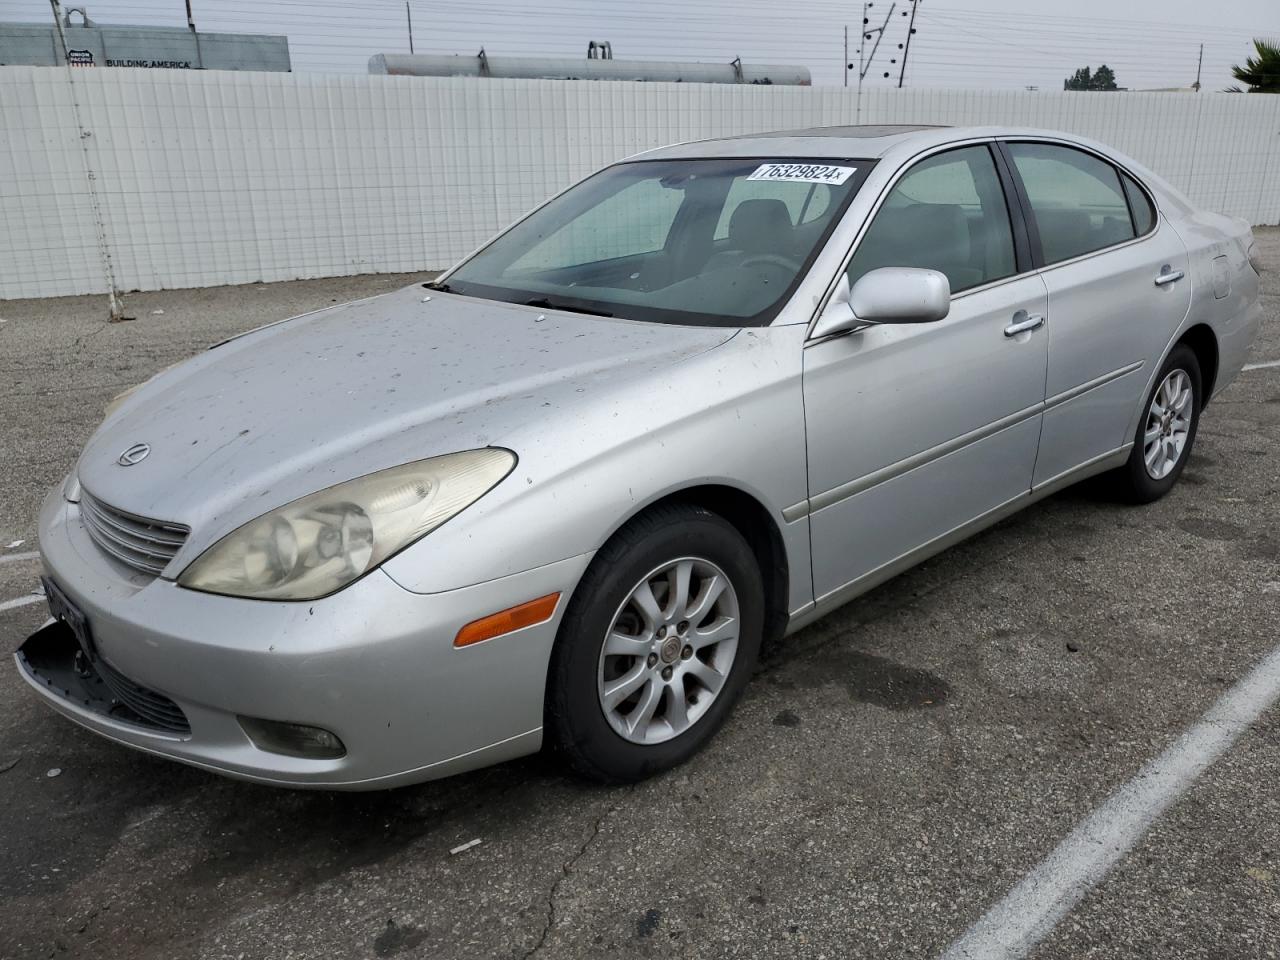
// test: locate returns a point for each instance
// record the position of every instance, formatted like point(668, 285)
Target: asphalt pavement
point(892, 774)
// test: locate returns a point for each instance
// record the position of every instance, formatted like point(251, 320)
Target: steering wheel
point(773, 259)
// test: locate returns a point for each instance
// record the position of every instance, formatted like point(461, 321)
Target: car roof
point(896, 144)
point(868, 141)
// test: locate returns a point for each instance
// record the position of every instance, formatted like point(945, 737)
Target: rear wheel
point(658, 642)
point(1166, 430)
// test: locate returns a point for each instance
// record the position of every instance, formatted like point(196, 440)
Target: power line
point(951, 47)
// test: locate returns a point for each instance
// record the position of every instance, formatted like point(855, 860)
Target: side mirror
point(886, 295)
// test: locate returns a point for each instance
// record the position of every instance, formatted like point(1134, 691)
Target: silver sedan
point(560, 495)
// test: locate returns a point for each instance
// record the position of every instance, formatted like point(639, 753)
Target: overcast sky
point(978, 44)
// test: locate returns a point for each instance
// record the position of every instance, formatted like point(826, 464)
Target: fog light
point(292, 739)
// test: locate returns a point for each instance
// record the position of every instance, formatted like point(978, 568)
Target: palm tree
point(1261, 74)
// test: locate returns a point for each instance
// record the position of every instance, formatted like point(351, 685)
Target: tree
point(1084, 79)
point(1104, 79)
point(1079, 80)
point(1261, 74)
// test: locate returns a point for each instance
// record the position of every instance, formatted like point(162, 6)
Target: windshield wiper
point(441, 287)
point(547, 304)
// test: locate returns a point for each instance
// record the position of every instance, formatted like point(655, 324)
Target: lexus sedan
point(562, 493)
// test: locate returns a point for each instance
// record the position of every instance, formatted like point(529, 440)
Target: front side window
point(947, 213)
point(719, 242)
point(1076, 198)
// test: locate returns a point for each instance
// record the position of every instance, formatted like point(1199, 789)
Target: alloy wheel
point(1168, 424)
point(669, 650)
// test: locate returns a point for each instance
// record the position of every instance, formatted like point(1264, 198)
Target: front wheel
point(1166, 430)
point(658, 642)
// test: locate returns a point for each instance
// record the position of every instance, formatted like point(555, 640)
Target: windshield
point(705, 242)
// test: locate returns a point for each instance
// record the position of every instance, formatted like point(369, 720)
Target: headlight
point(314, 546)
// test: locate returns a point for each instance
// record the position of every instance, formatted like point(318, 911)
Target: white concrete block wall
point(207, 178)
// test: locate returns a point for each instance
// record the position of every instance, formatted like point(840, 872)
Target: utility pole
point(846, 62)
point(117, 314)
point(1199, 64)
point(409, 16)
point(864, 65)
point(911, 29)
point(862, 37)
point(62, 33)
point(191, 25)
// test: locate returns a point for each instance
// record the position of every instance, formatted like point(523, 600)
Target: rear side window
point(1144, 215)
point(1077, 200)
point(947, 213)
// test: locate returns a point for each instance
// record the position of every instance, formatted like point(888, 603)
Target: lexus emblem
point(135, 454)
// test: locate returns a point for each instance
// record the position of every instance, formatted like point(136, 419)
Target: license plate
point(61, 608)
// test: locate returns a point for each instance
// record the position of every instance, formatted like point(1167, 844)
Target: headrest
point(1065, 233)
point(940, 229)
point(760, 226)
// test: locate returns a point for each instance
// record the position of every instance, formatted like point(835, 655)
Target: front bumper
point(375, 664)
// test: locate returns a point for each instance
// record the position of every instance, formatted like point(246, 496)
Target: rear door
point(1119, 287)
point(915, 429)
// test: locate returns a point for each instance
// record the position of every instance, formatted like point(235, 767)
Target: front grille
point(137, 542)
point(52, 656)
point(155, 709)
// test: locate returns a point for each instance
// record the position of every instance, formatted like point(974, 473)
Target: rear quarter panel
point(1225, 289)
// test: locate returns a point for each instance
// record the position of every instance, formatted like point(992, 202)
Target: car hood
point(292, 408)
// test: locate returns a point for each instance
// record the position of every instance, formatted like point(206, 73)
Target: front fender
point(733, 416)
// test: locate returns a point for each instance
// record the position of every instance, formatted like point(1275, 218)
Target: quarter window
point(1078, 203)
point(947, 213)
point(1144, 215)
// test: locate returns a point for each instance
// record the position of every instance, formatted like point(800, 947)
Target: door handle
point(1021, 326)
point(1169, 276)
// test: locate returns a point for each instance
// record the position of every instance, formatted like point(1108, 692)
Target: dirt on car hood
point(295, 407)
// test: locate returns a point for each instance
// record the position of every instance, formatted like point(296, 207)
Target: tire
point(1136, 481)
point(654, 549)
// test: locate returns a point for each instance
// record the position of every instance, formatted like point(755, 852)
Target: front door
point(915, 429)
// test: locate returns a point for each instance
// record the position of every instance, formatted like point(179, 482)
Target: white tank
point(540, 68)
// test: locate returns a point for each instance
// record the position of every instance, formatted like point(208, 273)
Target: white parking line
point(21, 602)
point(1034, 907)
point(1265, 365)
point(19, 557)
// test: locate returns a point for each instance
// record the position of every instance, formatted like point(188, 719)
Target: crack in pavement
point(566, 869)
